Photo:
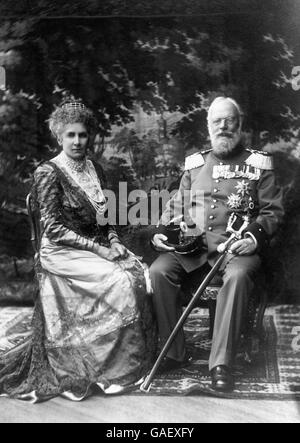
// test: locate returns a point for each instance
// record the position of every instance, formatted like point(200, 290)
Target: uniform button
point(210, 228)
point(221, 164)
point(216, 190)
point(211, 217)
point(213, 207)
point(215, 201)
point(218, 181)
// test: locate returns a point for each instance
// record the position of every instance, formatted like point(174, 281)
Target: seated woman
point(92, 322)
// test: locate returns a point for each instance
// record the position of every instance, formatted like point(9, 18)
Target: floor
point(150, 409)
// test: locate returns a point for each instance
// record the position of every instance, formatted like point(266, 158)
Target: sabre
point(223, 249)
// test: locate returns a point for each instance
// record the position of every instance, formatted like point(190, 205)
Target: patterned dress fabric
point(92, 322)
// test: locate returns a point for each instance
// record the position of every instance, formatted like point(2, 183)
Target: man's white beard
point(225, 145)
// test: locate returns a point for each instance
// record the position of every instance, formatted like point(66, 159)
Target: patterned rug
point(273, 373)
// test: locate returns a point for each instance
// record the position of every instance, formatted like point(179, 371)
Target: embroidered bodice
point(67, 204)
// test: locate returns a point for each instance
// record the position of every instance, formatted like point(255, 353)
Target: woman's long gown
point(92, 322)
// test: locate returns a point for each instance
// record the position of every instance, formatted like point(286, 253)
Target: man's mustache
point(225, 134)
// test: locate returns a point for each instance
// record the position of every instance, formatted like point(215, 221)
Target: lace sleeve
point(48, 192)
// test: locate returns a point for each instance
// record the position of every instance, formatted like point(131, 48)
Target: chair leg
point(260, 315)
point(253, 332)
point(248, 331)
point(212, 314)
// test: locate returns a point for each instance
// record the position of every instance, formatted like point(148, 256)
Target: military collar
point(241, 157)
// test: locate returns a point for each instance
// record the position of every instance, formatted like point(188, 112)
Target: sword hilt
point(235, 234)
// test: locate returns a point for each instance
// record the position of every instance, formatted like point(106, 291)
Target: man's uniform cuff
point(250, 235)
point(257, 233)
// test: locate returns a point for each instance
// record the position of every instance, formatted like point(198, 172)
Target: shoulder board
point(194, 161)
point(260, 160)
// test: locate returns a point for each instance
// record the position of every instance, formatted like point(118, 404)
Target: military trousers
point(238, 273)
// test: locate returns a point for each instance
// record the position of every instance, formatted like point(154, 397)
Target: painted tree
point(163, 64)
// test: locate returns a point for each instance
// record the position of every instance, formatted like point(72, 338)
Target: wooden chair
point(35, 236)
point(34, 224)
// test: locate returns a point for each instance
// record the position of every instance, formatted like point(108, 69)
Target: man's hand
point(243, 247)
point(159, 243)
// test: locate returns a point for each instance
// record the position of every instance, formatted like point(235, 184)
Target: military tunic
point(226, 186)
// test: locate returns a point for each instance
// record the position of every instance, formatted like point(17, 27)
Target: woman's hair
point(71, 112)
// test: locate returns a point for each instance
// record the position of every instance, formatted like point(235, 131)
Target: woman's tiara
point(70, 106)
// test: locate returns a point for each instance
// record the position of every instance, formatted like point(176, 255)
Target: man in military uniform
point(228, 175)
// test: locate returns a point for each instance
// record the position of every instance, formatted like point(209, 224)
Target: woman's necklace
point(77, 166)
point(85, 176)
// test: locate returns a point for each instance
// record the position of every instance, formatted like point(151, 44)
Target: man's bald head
point(225, 101)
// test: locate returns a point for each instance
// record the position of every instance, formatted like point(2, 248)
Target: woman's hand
point(116, 252)
point(119, 251)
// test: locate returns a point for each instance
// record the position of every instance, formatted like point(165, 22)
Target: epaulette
point(195, 160)
point(260, 160)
